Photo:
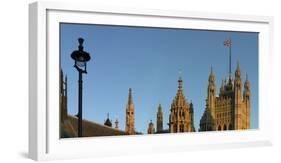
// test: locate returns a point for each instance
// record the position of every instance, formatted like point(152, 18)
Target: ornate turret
point(238, 81)
point(211, 99)
point(191, 111)
point(212, 76)
point(151, 129)
point(130, 115)
point(247, 88)
point(247, 102)
point(117, 124)
point(180, 119)
point(237, 71)
point(238, 108)
point(180, 100)
point(159, 118)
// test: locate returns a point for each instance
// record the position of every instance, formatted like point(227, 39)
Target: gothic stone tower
point(130, 116)
point(246, 100)
point(63, 97)
point(207, 120)
point(231, 109)
point(159, 119)
point(151, 129)
point(181, 115)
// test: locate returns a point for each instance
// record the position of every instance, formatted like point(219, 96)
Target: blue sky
point(148, 60)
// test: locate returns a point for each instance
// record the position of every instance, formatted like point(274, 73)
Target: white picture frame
point(44, 141)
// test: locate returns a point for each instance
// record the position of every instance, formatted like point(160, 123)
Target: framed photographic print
point(110, 81)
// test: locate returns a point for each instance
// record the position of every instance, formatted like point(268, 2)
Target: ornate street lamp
point(81, 58)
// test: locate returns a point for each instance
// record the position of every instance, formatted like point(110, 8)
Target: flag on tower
point(227, 43)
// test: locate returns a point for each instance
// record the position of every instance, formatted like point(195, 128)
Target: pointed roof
point(191, 107)
point(130, 98)
point(247, 82)
point(159, 108)
point(212, 75)
point(150, 123)
point(237, 71)
point(130, 105)
point(151, 128)
point(107, 121)
point(179, 99)
point(212, 70)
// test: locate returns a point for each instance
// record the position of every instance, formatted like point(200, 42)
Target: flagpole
point(230, 58)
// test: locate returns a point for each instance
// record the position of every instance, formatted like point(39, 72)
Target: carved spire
point(180, 80)
point(130, 115)
point(151, 129)
point(211, 91)
point(247, 83)
point(180, 100)
point(211, 86)
point(191, 107)
point(160, 108)
point(237, 71)
point(180, 83)
point(159, 119)
point(212, 75)
point(130, 98)
point(191, 110)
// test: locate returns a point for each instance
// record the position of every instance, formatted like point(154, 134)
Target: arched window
point(224, 127)
point(219, 128)
point(230, 127)
point(181, 128)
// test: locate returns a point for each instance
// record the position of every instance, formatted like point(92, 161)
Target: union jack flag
point(227, 43)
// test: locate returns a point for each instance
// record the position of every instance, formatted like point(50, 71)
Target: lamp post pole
point(81, 58)
point(80, 83)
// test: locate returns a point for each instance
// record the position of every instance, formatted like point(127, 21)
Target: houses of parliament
point(227, 109)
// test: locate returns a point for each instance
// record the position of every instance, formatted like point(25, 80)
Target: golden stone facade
point(181, 115)
point(181, 118)
point(231, 109)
